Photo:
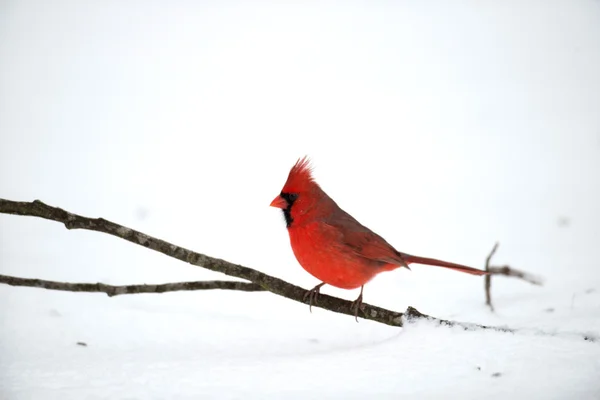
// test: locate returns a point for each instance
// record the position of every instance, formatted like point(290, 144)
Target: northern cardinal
point(333, 246)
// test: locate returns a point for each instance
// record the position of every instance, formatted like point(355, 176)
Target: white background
point(443, 126)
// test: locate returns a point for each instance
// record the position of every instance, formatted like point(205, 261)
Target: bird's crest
point(300, 177)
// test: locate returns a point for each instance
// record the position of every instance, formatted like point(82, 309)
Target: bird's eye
point(292, 196)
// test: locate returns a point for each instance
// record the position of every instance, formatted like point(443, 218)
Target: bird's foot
point(356, 304)
point(312, 295)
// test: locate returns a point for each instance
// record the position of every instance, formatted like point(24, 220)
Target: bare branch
point(267, 282)
point(489, 257)
point(413, 315)
point(264, 281)
point(112, 290)
point(488, 278)
point(506, 271)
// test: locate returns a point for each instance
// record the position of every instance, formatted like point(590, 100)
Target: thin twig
point(413, 315)
point(112, 290)
point(515, 273)
point(505, 270)
point(488, 277)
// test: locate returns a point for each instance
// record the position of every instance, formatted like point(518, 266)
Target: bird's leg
point(357, 303)
point(312, 295)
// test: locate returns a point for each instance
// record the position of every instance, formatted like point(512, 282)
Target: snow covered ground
point(443, 126)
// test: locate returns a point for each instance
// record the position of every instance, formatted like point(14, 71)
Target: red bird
point(333, 246)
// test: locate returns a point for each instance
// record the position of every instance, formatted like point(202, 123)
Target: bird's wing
point(361, 240)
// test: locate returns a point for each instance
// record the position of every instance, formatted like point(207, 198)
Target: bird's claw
point(356, 305)
point(312, 295)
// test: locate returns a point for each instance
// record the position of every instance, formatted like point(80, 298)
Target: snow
point(445, 127)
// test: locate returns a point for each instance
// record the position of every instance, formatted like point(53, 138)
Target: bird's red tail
point(439, 263)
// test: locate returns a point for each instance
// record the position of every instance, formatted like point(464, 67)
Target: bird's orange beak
point(279, 202)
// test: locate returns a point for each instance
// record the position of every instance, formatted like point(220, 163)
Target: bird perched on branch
point(333, 246)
